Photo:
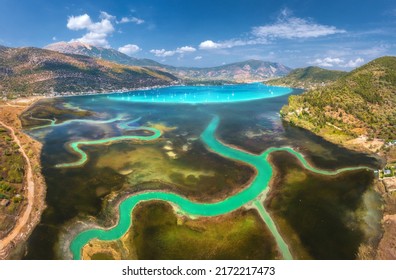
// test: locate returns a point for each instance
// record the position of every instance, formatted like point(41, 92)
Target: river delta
point(140, 175)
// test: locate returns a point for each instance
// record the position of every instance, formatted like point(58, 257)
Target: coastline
point(359, 144)
point(126, 90)
point(12, 246)
point(104, 92)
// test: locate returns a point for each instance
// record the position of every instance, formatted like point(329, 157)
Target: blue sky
point(332, 34)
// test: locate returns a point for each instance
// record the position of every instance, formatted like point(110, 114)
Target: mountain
point(358, 108)
point(27, 71)
point(308, 78)
point(99, 52)
point(247, 71)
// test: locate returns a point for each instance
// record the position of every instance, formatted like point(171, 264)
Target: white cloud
point(129, 49)
point(209, 44)
point(131, 19)
point(198, 57)
point(104, 15)
point(292, 28)
point(374, 51)
point(95, 39)
point(97, 31)
point(354, 63)
point(286, 27)
point(285, 12)
point(337, 62)
point(185, 49)
point(162, 53)
point(327, 61)
point(104, 26)
point(54, 38)
point(181, 50)
point(79, 22)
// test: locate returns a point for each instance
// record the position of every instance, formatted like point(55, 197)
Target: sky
point(337, 34)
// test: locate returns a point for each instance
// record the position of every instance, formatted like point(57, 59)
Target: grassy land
point(11, 178)
point(48, 109)
point(321, 217)
point(158, 233)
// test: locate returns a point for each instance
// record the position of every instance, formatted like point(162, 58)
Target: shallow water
point(75, 193)
point(203, 94)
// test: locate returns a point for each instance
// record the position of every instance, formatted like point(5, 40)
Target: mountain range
point(100, 52)
point(70, 68)
point(246, 71)
point(33, 71)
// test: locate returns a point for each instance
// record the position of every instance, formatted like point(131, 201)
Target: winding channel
point(248, 196)
point(75, 146)
point(54, 124)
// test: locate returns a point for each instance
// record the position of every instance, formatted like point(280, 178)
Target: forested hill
point(359, 104)
point(308, 78)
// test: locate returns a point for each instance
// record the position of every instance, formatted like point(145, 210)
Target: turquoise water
point(258, 185)
point(75, 146)
point(203, 94)
point(53, 122)
point(283, 247)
